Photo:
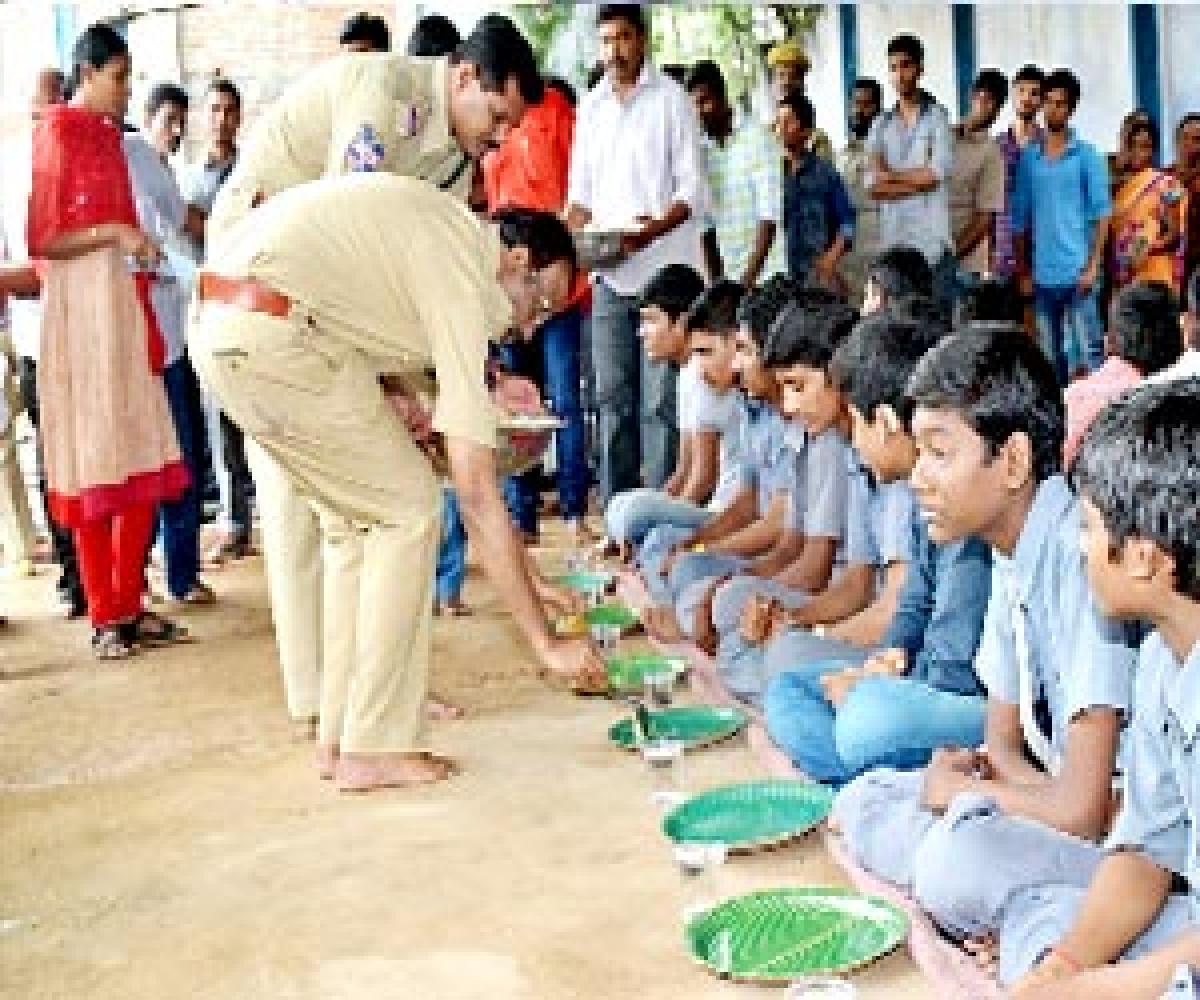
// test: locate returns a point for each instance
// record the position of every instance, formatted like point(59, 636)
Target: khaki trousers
point(315, 408)
point(16, 519)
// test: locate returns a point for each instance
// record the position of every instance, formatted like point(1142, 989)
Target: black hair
point(928, 313)
point(368, 28)
point(631, 13)
point(1149, 127)
point(564, 88)
point(1139, 466)
point(1029, 73)
point(871, 84)
point(1192, 293)
point(165, 93)
point(902, 271)
point(223, 85)
point(97, 46)
point(716, 310)
point(673, 289)
point(676, 71)
point(872, 366)
point(907, 45)
point(994, 83)
point(1145, 326)
point(1191, 118)
point(1063, 79)
point(999, 381)
point(543, 233)
point(434, 35)
point(808, 333)
point(707, 73)
point(761, 306)
point(990, 300)
point(801, 107)
point(594, 76)
point(502, 53)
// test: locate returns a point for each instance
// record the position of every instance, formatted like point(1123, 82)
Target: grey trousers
point(637, 426)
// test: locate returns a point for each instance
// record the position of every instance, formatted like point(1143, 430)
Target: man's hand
point(413, 415)
point(887, 663)
point(986, 952)
point(559, 601)
point(825, 270)
point(757, 618)
point(1087, 278)
point(837, 687)
point(577, 662)
point(1049, 980)
point(637, 240)
point(948, 773)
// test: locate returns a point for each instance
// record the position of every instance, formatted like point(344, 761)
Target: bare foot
point(327, 761)
point(441, 710)
point(363, 772)
point(661, 624)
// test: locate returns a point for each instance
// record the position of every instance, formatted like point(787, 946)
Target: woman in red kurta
point(110, 448)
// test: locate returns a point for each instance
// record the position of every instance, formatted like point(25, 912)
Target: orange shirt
point(529, 170)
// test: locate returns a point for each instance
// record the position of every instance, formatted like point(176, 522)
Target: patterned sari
point(1139, 209)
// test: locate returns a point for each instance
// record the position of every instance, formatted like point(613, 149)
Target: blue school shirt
point(1061, 201)
point(770, 462)
point(1161, 806)
point(820, 508)
point(939, 615)
point(1077, 658)
point(879, 522)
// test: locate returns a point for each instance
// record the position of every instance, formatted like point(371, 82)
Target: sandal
point(201, 595)
point(109, 643)
point(151, 629)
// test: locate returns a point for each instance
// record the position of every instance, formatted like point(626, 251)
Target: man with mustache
point(362, 113)
point(636, 166)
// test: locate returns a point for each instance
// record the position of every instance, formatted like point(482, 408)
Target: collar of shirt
point(431, 80)
point(926, 102)
point(1074, 145)
point(648, 78)
point(1051, 504)
point(1183, 694)
point(976, 138)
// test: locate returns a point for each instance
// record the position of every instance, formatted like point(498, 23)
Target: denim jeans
point(636, 417)
point(179, 519)
point(632, 515)
point(452, 554)
point(552, 360)
point(1069, 329)
point(884, 722)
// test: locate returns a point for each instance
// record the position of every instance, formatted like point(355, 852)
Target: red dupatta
point(81, 179)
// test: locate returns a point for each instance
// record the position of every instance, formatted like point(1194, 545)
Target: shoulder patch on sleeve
point(365, 151)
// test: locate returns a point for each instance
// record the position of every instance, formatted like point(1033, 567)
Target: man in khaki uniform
point(977, 178)
point(304, 306)
point(426, 118)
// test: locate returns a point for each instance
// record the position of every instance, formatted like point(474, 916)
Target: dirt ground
point(163, 834)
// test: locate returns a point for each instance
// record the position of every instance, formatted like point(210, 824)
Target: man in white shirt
point(169, 221)
point(636, 164)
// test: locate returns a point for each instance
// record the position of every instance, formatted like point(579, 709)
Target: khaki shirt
point(393, 267)
point(976, 185)
point(354, 114)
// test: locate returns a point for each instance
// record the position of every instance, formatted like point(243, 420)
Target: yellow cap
point(787, 53)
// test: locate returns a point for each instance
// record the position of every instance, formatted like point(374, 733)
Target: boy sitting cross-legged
point(1138, 474)
point(679, 566)
point(835, 715)
point(705, 477)
point(988, 424)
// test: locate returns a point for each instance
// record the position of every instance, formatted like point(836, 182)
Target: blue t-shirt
point(816, 209)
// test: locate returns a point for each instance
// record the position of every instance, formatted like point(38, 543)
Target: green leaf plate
point(694, 726)
point(584, 582)
point(628, 673)
point(613, 614)
point(750, 815)
point(778, 935)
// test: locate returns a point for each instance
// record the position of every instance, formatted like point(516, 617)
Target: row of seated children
point(999, 844)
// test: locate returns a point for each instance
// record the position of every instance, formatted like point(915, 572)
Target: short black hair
point(990, 300)
point(502, 53)
point(1191, 118)
point(1029, 73)
point(166, 93)
point(97, 45)
point(999, 381)
point(716, 309)
point(707, 73)
point(907, 45)
point(873, 365)
point(676, 71)
point(871, 84)
point(1063, 79)
point(808, 333)
point(928, 313)
point(223, 85)
point(801, 107)
point(673, 289)
point(761, 306)
point(1145, 326)
point(631, 13)
point(564, 88)
point(369, 28)
point(994, 83)
point(901, 271)
point(433, 36)
point(1139, 466)
point(543, 233)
